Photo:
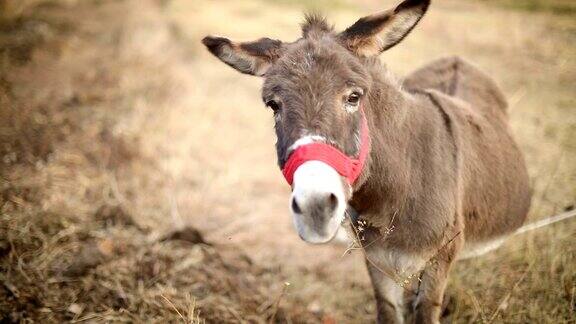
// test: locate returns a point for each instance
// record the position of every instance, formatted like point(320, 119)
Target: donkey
point(428, 165)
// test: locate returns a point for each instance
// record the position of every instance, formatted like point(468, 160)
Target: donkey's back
point(495, 190)
point(460, 79)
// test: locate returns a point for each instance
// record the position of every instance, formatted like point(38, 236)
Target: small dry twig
point(277, 304)
point(402, 282)
point(174, 307)
point(506, 298)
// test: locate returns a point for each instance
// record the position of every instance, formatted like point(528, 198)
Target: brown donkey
point(442, 178)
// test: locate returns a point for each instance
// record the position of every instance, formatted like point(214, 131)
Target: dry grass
point(117, 130)
point(86, 199)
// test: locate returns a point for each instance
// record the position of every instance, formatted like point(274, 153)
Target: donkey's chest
point(401, 264)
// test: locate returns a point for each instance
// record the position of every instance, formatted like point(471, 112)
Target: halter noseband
point(346, 166)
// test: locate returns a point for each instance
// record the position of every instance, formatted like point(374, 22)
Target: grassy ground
point(119, 135)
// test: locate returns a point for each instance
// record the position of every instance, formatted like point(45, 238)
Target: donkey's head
point(316, 87)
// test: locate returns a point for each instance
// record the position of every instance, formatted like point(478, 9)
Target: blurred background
point(139, 179)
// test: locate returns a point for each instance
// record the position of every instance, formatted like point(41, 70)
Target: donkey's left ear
point(249, 57)
point(374, 34)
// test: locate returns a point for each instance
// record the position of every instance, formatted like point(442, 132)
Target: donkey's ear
point(374, 34)
point(251, 57)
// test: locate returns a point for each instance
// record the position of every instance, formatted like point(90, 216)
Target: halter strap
point(350, 168)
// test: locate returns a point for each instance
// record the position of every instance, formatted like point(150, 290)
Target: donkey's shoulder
point(458, 78)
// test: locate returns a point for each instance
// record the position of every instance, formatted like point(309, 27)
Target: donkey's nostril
point(295, 208)
point(332, 201)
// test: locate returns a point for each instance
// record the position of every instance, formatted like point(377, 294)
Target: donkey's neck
point(394, 123)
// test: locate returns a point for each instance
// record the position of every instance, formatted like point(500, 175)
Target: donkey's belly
point(496, 189)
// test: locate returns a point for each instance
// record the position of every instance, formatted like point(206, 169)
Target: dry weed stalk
point(278, 300)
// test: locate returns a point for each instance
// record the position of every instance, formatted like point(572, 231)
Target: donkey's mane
point(315, 23)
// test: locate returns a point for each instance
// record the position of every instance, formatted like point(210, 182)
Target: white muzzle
point(318, 202)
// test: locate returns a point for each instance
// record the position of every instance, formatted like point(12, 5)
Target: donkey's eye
point(274, 105)
point(353, 99)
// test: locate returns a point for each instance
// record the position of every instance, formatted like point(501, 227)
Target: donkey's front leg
point(389, 296)
point(428, 303)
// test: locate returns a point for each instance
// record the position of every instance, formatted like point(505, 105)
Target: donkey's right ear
point(250, 57)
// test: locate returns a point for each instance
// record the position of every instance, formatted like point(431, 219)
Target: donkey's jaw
point(318, 201)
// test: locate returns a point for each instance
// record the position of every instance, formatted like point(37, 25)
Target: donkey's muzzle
point(318, 202)
point(320, 206)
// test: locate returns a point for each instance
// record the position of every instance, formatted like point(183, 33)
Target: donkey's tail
point(546, 222)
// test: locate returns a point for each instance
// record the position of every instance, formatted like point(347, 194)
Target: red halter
point(344, 165)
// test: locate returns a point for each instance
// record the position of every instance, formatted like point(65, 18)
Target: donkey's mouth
point(318, 202)
point(316, 237)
